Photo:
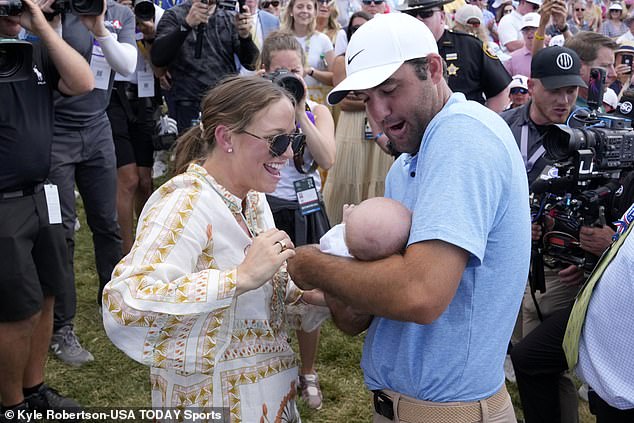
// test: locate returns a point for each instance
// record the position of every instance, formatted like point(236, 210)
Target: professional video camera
point(286, 79)
point(77, 7)
point(15, 60)
point(583, 185)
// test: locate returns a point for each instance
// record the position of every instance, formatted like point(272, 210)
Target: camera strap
point(529, 162)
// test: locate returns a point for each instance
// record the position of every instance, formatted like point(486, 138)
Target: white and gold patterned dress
point(172, 305)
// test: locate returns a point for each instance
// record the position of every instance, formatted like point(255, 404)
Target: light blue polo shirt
point(469, 189)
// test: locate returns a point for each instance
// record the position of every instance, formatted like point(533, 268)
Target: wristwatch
point(311, 71)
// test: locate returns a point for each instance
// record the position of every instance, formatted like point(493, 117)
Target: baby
point(376, 228)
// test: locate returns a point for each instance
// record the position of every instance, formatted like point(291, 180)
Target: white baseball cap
point(378, 48)
point(468, 12)
point(615, 6)
point(537, 2)
point(610, 98)
point(519, 81)
point(530, 20)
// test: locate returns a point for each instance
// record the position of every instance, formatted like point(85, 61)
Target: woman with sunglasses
point(202, 296)
point(271, 6)
point(505, 8)
point(373, 7)
point(469, 19)
point(613, 26)
point(363, 158)
point(304, 221)
point(300, 18)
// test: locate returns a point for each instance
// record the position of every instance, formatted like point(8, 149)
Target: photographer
point(83, 155)
point(304, 223)
point(32, 248)
point(131, 114)
point(553, 90)
point(224, 33)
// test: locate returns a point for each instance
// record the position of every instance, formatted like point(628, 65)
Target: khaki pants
point(496, 409)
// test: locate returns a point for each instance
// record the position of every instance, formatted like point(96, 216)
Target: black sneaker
point(47, 398)
point(15, 415)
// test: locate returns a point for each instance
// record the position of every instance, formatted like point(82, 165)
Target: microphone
point(200, 32)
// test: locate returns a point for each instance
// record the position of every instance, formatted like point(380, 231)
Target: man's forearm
point(166, 47)
point(498, 102)
point(248, 53)
point(75, 75)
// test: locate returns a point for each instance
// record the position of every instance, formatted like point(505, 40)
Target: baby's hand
point(347, 209)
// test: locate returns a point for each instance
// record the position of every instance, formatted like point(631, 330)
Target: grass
point(114, 380)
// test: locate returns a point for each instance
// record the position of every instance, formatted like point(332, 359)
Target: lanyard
point(529, 163)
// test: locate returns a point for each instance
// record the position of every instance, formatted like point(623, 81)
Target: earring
point(230, 150)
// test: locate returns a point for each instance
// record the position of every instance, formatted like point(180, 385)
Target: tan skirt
point(360, 167)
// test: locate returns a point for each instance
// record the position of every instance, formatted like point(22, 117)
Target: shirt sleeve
point(157, 295)
point(495, 77)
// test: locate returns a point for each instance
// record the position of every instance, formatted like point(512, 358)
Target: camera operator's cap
point(530, 20)
point(615, 6)
point(378, 48)
point(519, 81)
point(422, 4)
point(468, 12)
point(625, 47)
point(557, 67)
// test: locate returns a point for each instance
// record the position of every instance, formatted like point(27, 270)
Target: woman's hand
point(264, 257)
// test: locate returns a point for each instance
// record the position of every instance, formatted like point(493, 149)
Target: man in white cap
point(510, 26)
point(440, 316)
point(518, 92)
point(520, 61)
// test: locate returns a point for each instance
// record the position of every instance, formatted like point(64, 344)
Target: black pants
point(538, 361)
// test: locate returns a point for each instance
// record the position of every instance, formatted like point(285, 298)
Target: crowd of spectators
point(101, 142)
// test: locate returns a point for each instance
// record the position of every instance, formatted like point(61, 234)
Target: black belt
point(7, 195)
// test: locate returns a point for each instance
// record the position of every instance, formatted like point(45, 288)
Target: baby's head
point(376, 228)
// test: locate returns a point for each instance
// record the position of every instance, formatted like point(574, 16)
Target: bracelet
point(377, 136)
point(539, 37)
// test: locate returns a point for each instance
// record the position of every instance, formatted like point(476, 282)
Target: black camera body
point(78, 7)
point(10, 7)
point(16, 60)
point(583, 185)
point(286, 79)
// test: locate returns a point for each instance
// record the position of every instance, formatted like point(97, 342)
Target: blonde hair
point(233, 102)
point(288, 21)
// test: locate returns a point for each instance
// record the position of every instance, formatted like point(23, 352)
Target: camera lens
point(11, 61)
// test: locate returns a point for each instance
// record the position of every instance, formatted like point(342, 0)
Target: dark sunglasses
point(507, 11)
point(422, 14)
point(279, 143)
point(369, 2)
point(583, 10)
point(266, 4)
point(475, 24)
point(519, 90)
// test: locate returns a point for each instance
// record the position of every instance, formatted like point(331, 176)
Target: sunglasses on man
point(422, 13)
point(519, 90)
point(279, 143)
point(369, 2)
point(266, 4)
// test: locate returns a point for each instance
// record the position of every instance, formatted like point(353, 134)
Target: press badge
point(99, 66)
point(52, 204)
point(307, 195)
point(145, 84)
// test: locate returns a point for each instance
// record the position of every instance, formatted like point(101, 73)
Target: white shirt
point(628, 36)
point(509, 28)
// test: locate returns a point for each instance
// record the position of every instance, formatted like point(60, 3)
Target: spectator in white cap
point(518, 92)
point(489, 22)
point(520, 61)
point(441, 314)
point(510, 26)
point(577, 21)
point(469, 19)
point(614, 26)
point(629, 34)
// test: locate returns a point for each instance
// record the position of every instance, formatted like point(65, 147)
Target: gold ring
point(282, 245)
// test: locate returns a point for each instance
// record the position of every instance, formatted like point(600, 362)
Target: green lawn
point(115, 380)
